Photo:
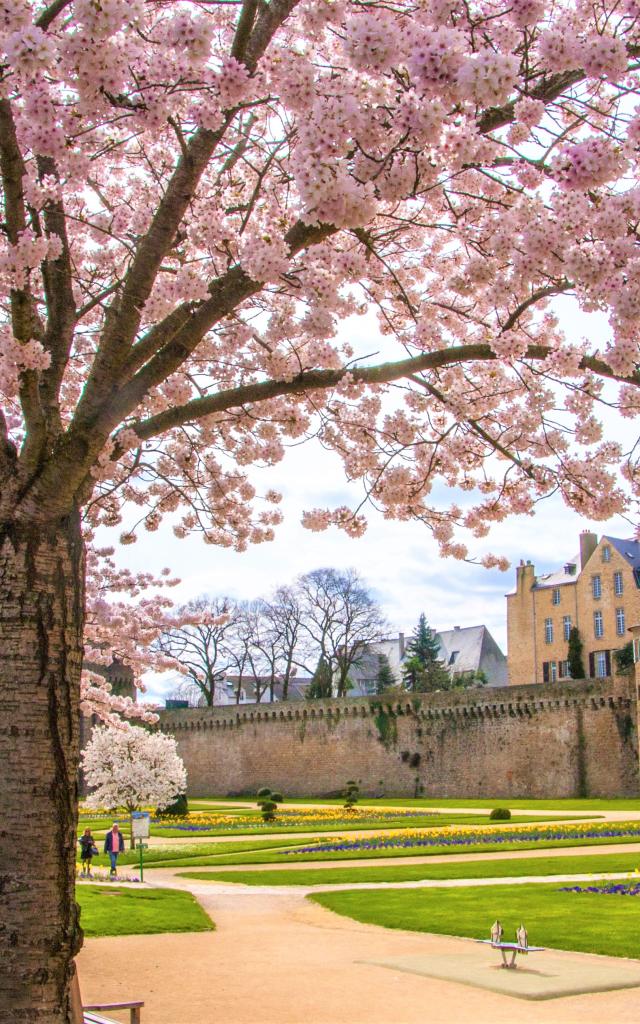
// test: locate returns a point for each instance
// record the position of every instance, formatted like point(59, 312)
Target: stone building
point(598, 590)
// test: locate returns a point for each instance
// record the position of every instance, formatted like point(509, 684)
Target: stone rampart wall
point(577, 739)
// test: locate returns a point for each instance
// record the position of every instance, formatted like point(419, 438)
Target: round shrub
point(177, 809)
point(264, 793)
point(278, 797)
point(500, 814)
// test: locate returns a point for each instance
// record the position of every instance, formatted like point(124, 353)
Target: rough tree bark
point(41, 621)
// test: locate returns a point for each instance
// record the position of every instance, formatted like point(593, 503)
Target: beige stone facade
point(598, 591)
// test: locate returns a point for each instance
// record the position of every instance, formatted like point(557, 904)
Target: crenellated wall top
point(484, 702)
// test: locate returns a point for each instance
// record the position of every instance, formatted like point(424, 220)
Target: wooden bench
point(87, 1014)
point(89, 1017)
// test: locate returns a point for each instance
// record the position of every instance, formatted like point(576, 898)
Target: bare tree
point(340, 618)
point(187, 690)
point(284, 613)
point(200, 647)
point(244, 649)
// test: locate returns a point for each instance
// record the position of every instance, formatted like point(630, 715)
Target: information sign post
point(140, 830)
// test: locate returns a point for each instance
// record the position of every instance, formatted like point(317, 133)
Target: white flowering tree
point(132, 768)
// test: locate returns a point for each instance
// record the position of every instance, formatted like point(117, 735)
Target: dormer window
point(570, 569)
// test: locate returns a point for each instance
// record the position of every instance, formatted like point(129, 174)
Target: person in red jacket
point(113, 845)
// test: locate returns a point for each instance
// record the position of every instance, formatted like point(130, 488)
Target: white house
point(462, 649)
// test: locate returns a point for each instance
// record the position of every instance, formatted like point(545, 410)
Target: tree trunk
point(41, 621)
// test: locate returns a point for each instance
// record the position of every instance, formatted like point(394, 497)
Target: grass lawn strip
point(609, 925)
point(417, 851)
point(507, 868)
point(583, 804)
point(164, 856)
point(114, 910)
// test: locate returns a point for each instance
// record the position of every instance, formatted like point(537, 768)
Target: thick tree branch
point(190, 326)
point(51, 13)
point(243, 30)
point(61, 307)
point(123, 319)
point(24, 318)
point(315, 380)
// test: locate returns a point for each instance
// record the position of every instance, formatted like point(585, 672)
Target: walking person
point(113, 845)
point(88, 849)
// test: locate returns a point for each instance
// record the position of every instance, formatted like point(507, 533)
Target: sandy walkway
point(282, 960)
point(275, 958)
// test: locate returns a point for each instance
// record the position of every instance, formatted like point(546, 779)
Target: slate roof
point(629, 549)
point(466, 642)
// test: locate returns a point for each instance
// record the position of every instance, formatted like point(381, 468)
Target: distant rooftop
point(629, 549)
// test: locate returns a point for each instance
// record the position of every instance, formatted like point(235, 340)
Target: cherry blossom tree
point(125, 615)
point(195, 196)
point(132, 768)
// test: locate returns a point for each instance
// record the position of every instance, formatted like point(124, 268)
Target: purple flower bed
point(613, 889)
point(467, 839)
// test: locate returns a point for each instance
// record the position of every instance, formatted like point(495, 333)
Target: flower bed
point(100, 876)
point(606, 889)
point(460, 836)
point(201, 821)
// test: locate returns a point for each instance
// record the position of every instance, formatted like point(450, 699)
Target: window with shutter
point(545, 671)
point(592, 665)
point(608, 662)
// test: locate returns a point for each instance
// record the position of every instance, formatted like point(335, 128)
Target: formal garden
point(378, 844)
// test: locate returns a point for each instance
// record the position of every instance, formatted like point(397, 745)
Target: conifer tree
point(574, 654)
point(423, 659)
point(385, 678)
point(320, 685)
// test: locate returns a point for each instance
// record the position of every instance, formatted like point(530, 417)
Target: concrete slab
point(547, 975)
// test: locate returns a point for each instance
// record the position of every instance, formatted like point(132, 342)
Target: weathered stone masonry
point(577, 739)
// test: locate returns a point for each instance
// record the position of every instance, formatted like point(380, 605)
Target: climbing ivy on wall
point(385, 722)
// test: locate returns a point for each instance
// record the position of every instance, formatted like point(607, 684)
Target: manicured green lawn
point(560, 804)
point(507, 868)
point(165, 856)
point(115, 910)
point(411, 851)
point(582, 922)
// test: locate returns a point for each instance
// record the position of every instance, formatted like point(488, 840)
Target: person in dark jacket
point(87, 851)
point(113, 845)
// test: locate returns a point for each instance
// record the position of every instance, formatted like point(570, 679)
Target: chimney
point(456, 627)
point(525, 576)
point(588, 544)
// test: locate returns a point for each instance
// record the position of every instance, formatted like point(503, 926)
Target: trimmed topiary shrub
point(177, 809)
point(351, 794)
point(268, 808)
point(500, 814)
point(278, 797)
point(264, 793)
